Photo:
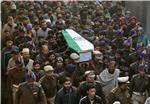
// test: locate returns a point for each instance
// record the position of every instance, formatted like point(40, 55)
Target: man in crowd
point(90, 79)
point(108, 77)
point(139, 86)
point(120, 93)
point(91, 97)
point(67, 94)
point(30, 92)
point(16, 75)
point(49, 83)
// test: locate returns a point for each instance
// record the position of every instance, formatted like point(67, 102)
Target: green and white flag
point(77, 42)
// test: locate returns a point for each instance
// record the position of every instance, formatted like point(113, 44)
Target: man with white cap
point(27, 62)
point(75, 57)
point(49, 83)
point(120, 93)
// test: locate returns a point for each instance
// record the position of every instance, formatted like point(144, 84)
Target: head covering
point(119, 33)
point(117, 102)
point(143, 54)
point(13, 6)
point(121, 21)
point(123, 79)
point(75, 57)
point(60, 59)
point(29, 26)
point(89, 73)
point(133, 18)
point(138, 46)
point(48, 68)
point(98, 55)
point(25, 50)
point(141, 67)
point(127, 42)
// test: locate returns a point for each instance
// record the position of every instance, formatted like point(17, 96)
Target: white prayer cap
point(89, 73)
point(123, 79)
point(117, 102)
point(75, 57)
point(48, 68)
point(25, 50)
point(98, 55)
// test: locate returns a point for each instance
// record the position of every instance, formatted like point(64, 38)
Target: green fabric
point(71, 43)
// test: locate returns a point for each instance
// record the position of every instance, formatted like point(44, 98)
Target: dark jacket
point(99, 91)
point(86, 100)
point(64, 97)
point(49, 85)
point(30, 94)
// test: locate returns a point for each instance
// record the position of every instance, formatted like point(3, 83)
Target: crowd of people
point(38, 67)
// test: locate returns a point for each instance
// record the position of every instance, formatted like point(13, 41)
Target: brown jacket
point(28, 94)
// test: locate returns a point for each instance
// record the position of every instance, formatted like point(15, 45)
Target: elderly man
point(49, 83)
point(120, 93)
point(108, 77)
point(27, 62)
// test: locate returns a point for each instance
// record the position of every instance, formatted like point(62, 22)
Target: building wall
point(141, 9)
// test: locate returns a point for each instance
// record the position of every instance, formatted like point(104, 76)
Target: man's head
point(91, 91)
point(90, 76)
point(15, 54)
point(36, 65)
point(141, 69)
point(67, 83)
point(26, 53)
point(45, 49)
point(48, 70)
point(9, 42)
point(10, 20)
point(111, 66)
point(75, 57)
point(59, 62)
point(44, 25)
point(98, 56)
point(123, 83)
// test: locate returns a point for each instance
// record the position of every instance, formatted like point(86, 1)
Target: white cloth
point(108, 80)
point(29, 66)
point(147, 101)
